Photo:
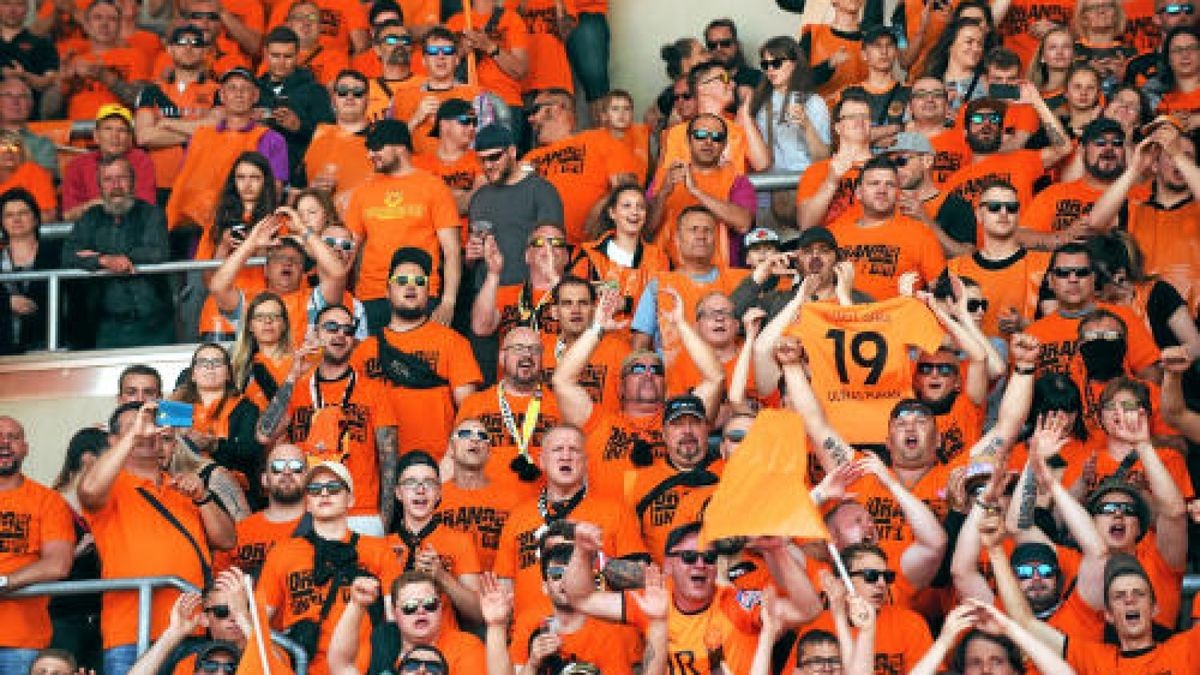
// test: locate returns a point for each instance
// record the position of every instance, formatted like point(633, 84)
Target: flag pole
point(469, 25)
point(258, 633)
point(841, 568)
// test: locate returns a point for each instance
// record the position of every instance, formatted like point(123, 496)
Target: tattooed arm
point(622, 574)
point(385, 446)
point(1060, 143)
point(271, 421)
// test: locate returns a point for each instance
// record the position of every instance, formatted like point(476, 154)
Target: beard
point(288, 496)
point(409, 313)
point(984, 146)
point(118, 205)
point(1105, 175)
point(400, 57)
point(10, 470)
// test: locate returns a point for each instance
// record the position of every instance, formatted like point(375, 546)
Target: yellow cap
point(114, 110)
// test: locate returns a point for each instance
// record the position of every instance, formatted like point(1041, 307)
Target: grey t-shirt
point(514, 211)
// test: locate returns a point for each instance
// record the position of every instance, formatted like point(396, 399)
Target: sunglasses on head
point(393, 40)
point(430, 604)
point(219, 611)
point(1174, 9)
point(735, 435)
point(333, 487)
point(1043, 570)
point(692, 557)
point(706, 135)
point(289, 465)
point(356, 92)
point(943, 369)
point(997, 207)
point(722, 77)
point(772, 64)
point(419, 280)
point(471, 434)
point(980, 118)
point(414, 665)
point(339, 244)
point(556, 242)
point(210, 666)
point(871, 575)
point(1112, 508)
point(347, 329)
point(1066, 272)
point(644, 368)
point(720, 44)
point(440, 50)
point(977, 305)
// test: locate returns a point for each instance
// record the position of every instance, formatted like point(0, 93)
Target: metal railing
point(1191, 586)
point(53, 279)
point(145, 587)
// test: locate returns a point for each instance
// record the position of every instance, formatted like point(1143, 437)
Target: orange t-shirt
point(193, 102)
point(601, 377)
point(1059, 336)
point(582, 168)
point(675, 148)
point(613, 648)
point(31, 516)
point(1175, 655)
point(883, 252)
point(950, 153)
point(717, 182)
point(1107, 465)
point(1021, 168)
point(286, 585)
point(901, 638)
point(277, 370)
point(421, 12)
point(325, 63)
point(1170, 240)
point(38, 181)
point(860, 362)
point(1012, 283)
point(691, 292)
point(510, 34)
point(521, 305)
point(256, 536)
point(479, 514)
point(339, 153)
point(1174, 102)
point(729, 623)
point(424, 416)
point(548, 65)
point(250, 13)
point(1058, 206)
point(134, 540)
point(461, 174)
point(390, 212)
point(338, 19)
point(86, 95)
point(455, 548)
point(958, 430)
point(485, 407)
point(891, 527)
point(611, 436)
point(637, 140)
point(408, 97)
point(844, 201)
point(344, 414)
point(824, 41)
point(1022, 14)
point(659, 514)
point(591, 262)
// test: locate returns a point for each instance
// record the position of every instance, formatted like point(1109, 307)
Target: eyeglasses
point(415, 484)
point(1105, 7)
point(1108, 142)
point(872, 575)
point(928, 93)
point(430, 604)
point(720, 314)
point(393, 40)
point(980, 118)
point(1126, 406)
point(356, 92)
point(289, 465)
point(1174, 9)
point(471, 435)
point(722, 77)
point(417, 665)
point(1113, 508)
point(555, 572)
point(339, 244)
point(644, 368)
point(333, 487)
point(772, 64)
point(706, 135)
point(720, 44)
point(556, 242)
point(210, 666)
point(419, 280)
point(524, 349)
point(466, 120)
point(440, 50)
point(943, 369)
point(1043, 570)
point(855, 117)
point(997, 207)
point(735, 435)
point(974, 305)
point(491, 157)
point(189, 42)
point(692, 557)
point(1185, 49)
point(266, 317)
point(1066, 272)
point(204, 16)
point(822, 663)
point(219, 611)
point(1089, 335)
point(208, 364)
point(347, 329)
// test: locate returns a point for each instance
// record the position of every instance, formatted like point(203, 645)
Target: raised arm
point(452, 267)
point(273, 420)
point(712, 376)
point(991, 530)
point(831, 450)
point(655, 603)
point(223, 284)
point(958, 621)
point(185, 618)
point(496, 603)
point(1060, 143)
point(386, 442)
point(766, 368)
point(485, 317)
point(812, 211)
point(343, 644)
point(975, 380)
point(1170, 510)
point(579, 581)
point(1103, 216)
point(787, 573)
point(964, 563)
point(1176, 361)
point(921, 560)
point(96, 482)
point(1047, 660)
point(752, 322)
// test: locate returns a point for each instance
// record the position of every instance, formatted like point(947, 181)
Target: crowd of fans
point(471, 415)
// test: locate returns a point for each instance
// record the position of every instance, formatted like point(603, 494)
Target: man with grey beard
point(116, 235)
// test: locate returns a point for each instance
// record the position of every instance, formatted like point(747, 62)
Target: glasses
point(735, 435)
point(1090, 9)
point(974, 305)
point(997, 207)
point(393, 40)
point(466, 120)
point(928, 93)
point(430, 604)
point(305, 16)
point(772, 64)
point(855, 117)
point(419, 280)
point(289, 465)
point(333, 487)
point(1108, 142)
point(1113, 508)
point(339, 244)
point(267, 317)
point(356, 92)
point(524, 349)
point(692, 557)
point(418, 665)
point(209, 666)
point(471, 435)
point(204, 16)
point(943, 369)
point(1089, 335)
point(1043, 570)
point(1126, 406)
point(555, 572)
point(1174, 9)
point(219, 611)
point(980, 118)
point(492, 157)
point(722, 77)
point(644, 368)
point(415, 484)
point(706, 135)
point(1185, 49)
point(720, 44)
point(440, 50)
point(556, 242)
point(872, 575)
point(1067, 272)
point(719, 314)
point(208, 364)
point(189, 42)
point(347, 329)
point(822, 663)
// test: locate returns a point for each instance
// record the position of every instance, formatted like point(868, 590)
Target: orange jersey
point(324, 63)
point(824, 41)
point(1009, 284)
point(269, 373)
point(31, 516)
point(38, 181)
point(337, 420)
point(729, 623)
point(485, 407)
point(1058, 206)
point(1021, 168)
point(338, 19)
point(883, 252)
point(548, 65)
point(424, 416)
point(407, 99)
point(675, 148)
point(613, 648)
point(718, 183)
point(421, 12)
point(455, 549)
point(901, 638)
point(657, 506)
point(950, 153)
point(480, 514)
point(389, 212)
point(583, 168)
point(510, 33)
point(860, 362)
point(1170, 240)
point(958, 430)
point(192, 102)
point(894, 534)
point(461, 174)
point(1059, 336)
point(611, 436)
point(844, 201)
point(1107, 465)
point(691, 291)
point(87, 94)
point(338, 154)
point(592, 262)
point(256, 536)
point(601, 376)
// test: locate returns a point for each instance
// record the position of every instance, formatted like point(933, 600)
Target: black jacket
point(301, 93)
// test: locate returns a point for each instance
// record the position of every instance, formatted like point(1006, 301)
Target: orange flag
point(764, 489)
point(252, 662)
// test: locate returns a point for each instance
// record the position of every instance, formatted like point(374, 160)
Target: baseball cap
point(761, 235)
point(411, 254)
point(448, 110)
point(219, 647)
point(986, 104)
point(1031, 552)
point(684, 404)
point(493, 136)
point(909, 141)
point(238, 71)
point(1100, 126)
point(875, 32)
point(114, 110)
point(338, 470)
point(185, 31)
point(816, 235)
point(1112, 484)
point(388, 132)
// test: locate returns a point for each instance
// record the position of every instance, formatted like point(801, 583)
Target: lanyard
point(532, 412)
point(531, 314)
point(558, 510)
point(319, 402)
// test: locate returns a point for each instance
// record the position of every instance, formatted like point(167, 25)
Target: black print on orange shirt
point(971, 189)
point(888, 517)
point(14, 532)
point(352, 426)
point(495, 428)
point(527, 549)
point(620, 444)
point(331, 20)
point(1019, 18)
point(1056, 355)
point(250, 557)
point(889, 664)
point(683, 663)
point(1067, 212)
point(543, 21)
point(946, 163)
point(565, 160)
point(662, 509)
point(880, 259)
point(485, 520)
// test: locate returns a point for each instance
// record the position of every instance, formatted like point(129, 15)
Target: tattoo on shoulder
point(624, 574)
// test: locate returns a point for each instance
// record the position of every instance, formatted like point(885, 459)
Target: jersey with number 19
point(859, 359)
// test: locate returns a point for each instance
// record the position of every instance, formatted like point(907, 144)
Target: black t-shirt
point(35, 54)
point(887, 107)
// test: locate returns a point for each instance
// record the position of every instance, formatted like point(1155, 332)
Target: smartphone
point(482, 227)
point(281, 100)
point(943, 288)
point(174, 414)
point(1004, 92)
point(239, 231)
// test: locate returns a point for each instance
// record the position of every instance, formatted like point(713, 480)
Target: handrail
point(1187, 597)
point(53, 277)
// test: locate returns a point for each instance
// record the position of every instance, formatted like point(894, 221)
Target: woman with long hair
point(957, 60)
point(248, 196)
point(262, 353)
point(1099, 26)
point(23, 303)
point(1048, 68)
point(791, 117)
point(1083, 100)
point(1180, 73)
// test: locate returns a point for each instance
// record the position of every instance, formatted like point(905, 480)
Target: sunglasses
point(1089, 335)
point(419, 280)
point(900, 161)
point(333, 487)
point(911, 413)
point(1108, 142)
point(555, 572)
point(942, 369)
point(189, 42)
point(772, 64)
point(974, 305)
point(219, 611)
point(440, 50)
point(644, 368)
point(1066, 272)
point(339, 244)
point(430, 604)
point(692, 557)
point(471, 435)
point(997, 207)
point(356, 92)
point(980, 118)
point(393, 40)
point(1112, 508)
point(289, 465)
point(735, 435)
point(201, 16)
point(706, 135)
point(872, 575)
point(347, 329)
point(1178, 9)
point(1043, 570)
point(556, 242)
point(492, 157)
point(418, 665)
point(720, 44)
point(928, 93)
point(209, 666)
point(466, 120)
point(722, 77)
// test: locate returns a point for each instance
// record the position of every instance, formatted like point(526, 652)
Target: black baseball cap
point(187, 30)
point(448, 110)
point(816, 235)
point(684, 404)
point(493, 136)
point(238, 71)
point(388, 132)
point(1100, 126)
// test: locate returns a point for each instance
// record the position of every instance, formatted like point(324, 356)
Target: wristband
point(208, 497)
point(1027, 370)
